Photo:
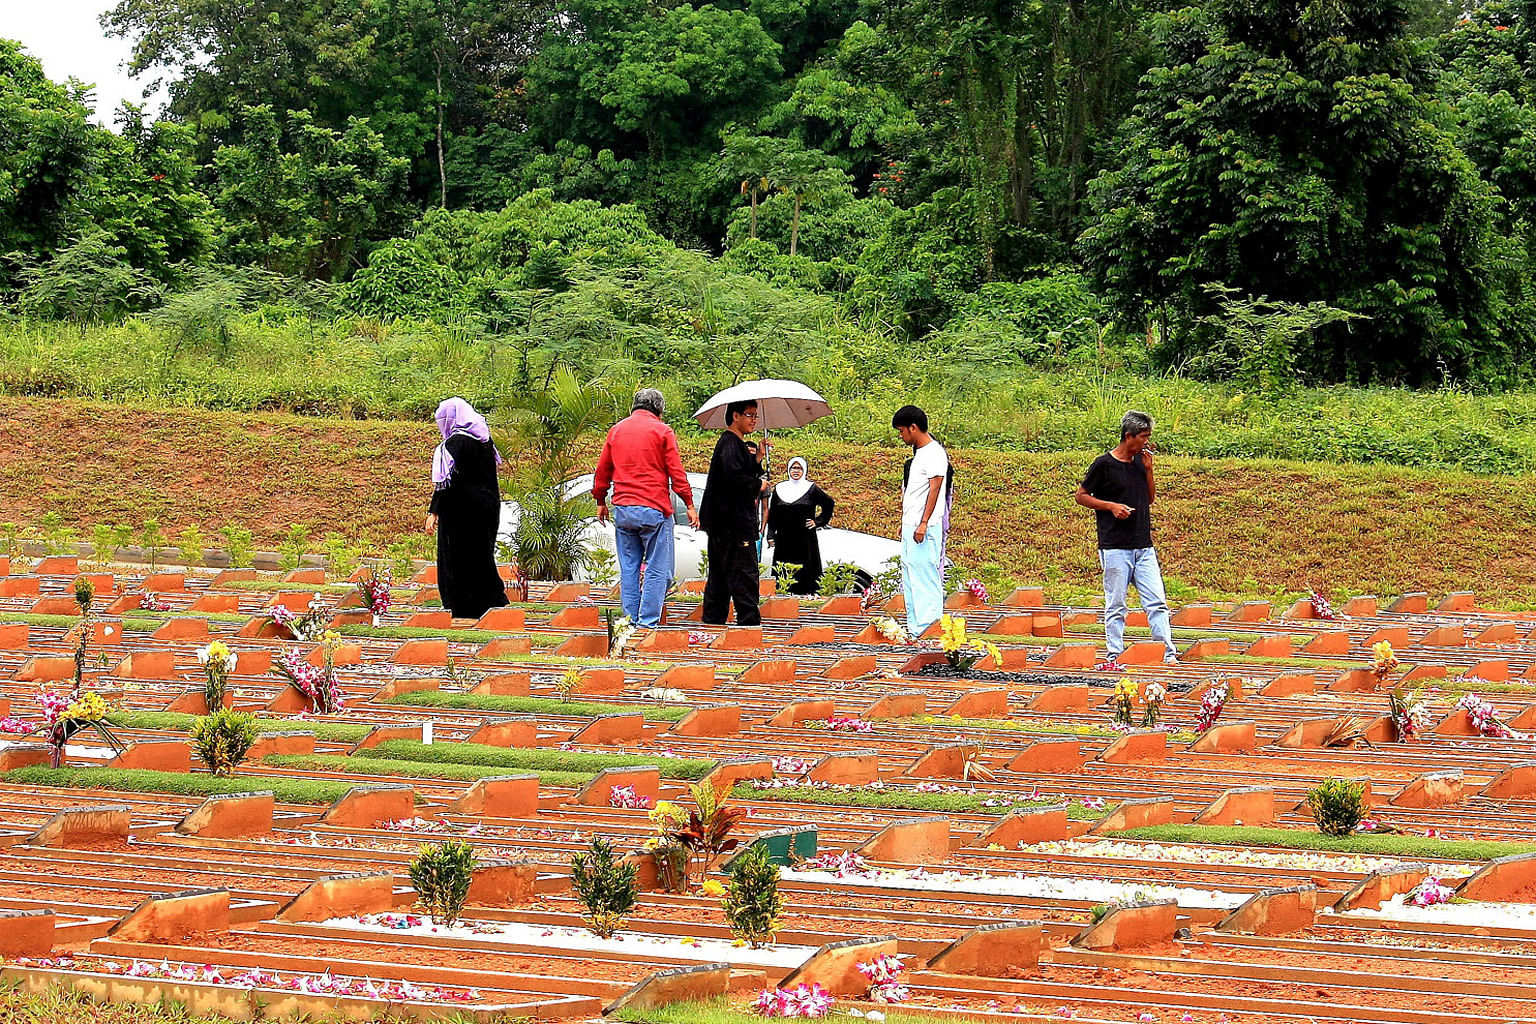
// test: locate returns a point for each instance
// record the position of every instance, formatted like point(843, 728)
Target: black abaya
point(796, 543)
point(468, 510)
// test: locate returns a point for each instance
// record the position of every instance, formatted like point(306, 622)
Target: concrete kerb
point(677, 984)
point(835, 966)
point(993, 950)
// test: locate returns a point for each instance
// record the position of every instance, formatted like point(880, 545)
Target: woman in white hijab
point(797, 509)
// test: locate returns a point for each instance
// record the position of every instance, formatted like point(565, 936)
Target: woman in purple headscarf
point(465, 512)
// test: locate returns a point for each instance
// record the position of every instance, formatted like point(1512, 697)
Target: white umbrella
point(780, 404)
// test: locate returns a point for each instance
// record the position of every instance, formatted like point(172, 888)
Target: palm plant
point(548, 424)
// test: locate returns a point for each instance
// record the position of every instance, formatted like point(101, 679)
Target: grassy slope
point(1226, 527)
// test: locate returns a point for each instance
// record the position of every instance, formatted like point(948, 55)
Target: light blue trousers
point(922, 579)
point(1125, 568)
point(643, 536)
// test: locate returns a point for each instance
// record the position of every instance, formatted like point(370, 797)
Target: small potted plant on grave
point(671, 856)
point(1338, 806)
point(218, 663)
point(753, 904)
point(1124, 700)
point(441, 876)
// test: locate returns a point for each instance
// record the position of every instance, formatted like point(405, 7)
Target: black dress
point(793, 541)
point(468, 508)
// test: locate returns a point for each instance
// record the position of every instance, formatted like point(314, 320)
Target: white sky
point(66, 37)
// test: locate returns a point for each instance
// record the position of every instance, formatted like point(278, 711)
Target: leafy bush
point(605, 887)
point(223, 739)
point(441, 876)
point(190, 547)
point(1338, 806)
point(237, 542)
point(753, 904)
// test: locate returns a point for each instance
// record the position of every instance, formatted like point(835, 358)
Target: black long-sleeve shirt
point(472, 485)
point(731, 493)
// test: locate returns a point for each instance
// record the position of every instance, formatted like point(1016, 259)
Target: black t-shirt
point(731, 491)
point(1109, 479)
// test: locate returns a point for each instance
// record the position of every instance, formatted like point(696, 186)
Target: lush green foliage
point(441, 876)
point(1337, 805)
point(1298, 839)
point(223, 739)
point(355, 764)
point(328, 732)
point(605, 885)
point(907, 800)
point(1271, 189)
point(753, 904)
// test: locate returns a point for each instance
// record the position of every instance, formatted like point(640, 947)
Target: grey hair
point(1133, 423)
point(650, 400)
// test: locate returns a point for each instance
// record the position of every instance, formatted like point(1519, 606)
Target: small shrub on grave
point(606, 887)
point(152, 540)
point(839, 578)
point(223, 738)
point(567, 683)
point(1338, 806)
point(753, 904)
point(441, 876)
point(103, 543)
point(706, 835)
point(293, 548)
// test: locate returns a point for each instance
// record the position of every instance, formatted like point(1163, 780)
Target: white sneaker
point(1171, 658)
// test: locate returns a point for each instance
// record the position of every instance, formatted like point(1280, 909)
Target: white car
point(869, 553)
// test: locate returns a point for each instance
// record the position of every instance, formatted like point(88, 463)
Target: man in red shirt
point(643, 467)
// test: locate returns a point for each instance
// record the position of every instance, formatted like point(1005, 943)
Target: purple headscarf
point(456, 416)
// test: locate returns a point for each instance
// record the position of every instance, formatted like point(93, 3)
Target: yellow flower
point(738, 943)
point(713, 888)
point(1383, 651)
point(992, 652)
point(217, 649)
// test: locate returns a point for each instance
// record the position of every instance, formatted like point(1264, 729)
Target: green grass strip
point(1246, 659)
point(562, 661)
point(29, 619)
point(175, 721)
point(904, 800)
point(1297, 839)
point(535, 705)
point(136, 780)
point(533, 759)
point(468, 636)
point(385, 768)
point(1032, 725)
point(720, 1012)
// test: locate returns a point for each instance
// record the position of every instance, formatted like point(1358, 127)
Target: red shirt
point(642, 463)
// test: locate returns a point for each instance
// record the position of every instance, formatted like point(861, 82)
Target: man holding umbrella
point(728, 514)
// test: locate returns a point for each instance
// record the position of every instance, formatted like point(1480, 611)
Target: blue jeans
point(643, 535)
point(922, 578)
point(1124, 568)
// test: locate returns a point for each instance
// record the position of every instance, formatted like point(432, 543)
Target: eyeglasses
point(749, 415)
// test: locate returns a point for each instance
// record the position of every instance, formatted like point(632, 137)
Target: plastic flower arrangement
point(1484, 718)
point(1321, 609)
point(308, 626)
point(620, 631)
point(1153, 704)
point(374, 592)
point(961, 649)
point(884, 976)
point(64, 715)
point(801, 1001)
point(154, 603)
point(626, 797)
point(1125, 699)
point(891, 630)
point(839, 723)
point(316, 683)
point(976, 589)
point(218, 663)
point(1212, 702)
point(1409, 712)
point(1383, 661)
point(1429, 893)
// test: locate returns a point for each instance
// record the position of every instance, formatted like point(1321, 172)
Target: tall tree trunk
point(794, 227)
point(753, 232)
point(442, 169)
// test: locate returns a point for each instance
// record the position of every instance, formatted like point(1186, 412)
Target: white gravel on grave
point(1096, 890)
point(1233, 856)
point(1476, 915)
point(704, 950)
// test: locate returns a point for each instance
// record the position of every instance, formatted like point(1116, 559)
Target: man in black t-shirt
point(728, 514)
point(1120, 488)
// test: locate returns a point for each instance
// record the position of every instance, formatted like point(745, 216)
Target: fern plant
point(605, 886)
point(441, 876)
point(753, 904)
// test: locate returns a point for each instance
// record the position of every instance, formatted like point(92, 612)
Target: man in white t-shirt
point(924, 505)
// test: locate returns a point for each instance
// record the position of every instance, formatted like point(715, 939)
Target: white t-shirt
point(929, 461)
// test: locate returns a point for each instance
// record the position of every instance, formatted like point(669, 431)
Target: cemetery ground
point(1322, 814)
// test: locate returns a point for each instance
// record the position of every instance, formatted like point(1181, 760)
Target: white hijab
point(791, 490)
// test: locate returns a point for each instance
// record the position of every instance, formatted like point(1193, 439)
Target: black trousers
point(732, 577)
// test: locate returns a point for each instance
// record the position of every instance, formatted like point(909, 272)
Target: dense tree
point(1286, 150)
